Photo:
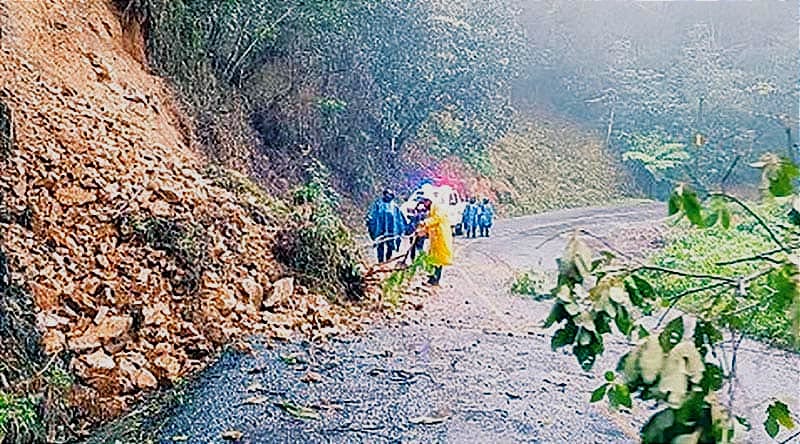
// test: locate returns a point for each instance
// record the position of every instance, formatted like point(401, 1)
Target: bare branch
point(688, 274)
point(765, 256)
point(758, 218)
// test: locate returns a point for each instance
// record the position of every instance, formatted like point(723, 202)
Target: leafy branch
point(681, 371)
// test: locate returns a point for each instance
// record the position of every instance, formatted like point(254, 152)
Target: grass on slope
point(550, 164)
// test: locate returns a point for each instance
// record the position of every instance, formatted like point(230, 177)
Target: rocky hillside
point(140, 263)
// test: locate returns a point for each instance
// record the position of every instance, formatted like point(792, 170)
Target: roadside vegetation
point(536, 284)
point(740, 275)
point(709, 251)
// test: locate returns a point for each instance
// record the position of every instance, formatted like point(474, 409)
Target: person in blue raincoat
point(386, 225)
point(485, 217)
point(469, 219)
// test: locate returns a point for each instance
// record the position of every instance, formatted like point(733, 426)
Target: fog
point(640, 67)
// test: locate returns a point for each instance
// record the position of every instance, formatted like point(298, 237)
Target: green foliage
point(778, 415)
point(59, 379)
point(184, 242)
point(396, 282)
point(658, 156)
point(654, 77)
point(701, 251)
point(20, 351)
point(546, 163)
point(263, 207)
point(316, 244)
point(19, 422)
point(534, 283)
point(377, 73)
point(778, 174)
point(678, 369)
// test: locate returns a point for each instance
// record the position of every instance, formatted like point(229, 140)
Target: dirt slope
point(549, 162)
point(139, 265)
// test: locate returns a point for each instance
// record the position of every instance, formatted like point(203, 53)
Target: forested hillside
point(355, 84)
point(686, 88)
point(374, 90)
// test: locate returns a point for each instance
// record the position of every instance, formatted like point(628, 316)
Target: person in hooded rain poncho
point(386, 225)
point(469, 219)
point(485, 217)
point(418, 214)
point(437, 228)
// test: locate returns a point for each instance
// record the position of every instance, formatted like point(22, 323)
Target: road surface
point(473, 365)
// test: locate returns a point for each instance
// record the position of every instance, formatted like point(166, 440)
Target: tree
point(682, 371)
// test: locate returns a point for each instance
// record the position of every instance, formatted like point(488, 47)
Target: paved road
point(474, 357)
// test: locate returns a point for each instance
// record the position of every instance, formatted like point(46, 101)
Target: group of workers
point(427, 221)
point(477, 217)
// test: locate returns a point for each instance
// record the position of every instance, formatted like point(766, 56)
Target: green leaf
point(712, 378)
point(691, 410)
point(564, 336)
point(778, 174)
point(656, 429)
point(771, 426)
point(672, 334)
point(692, 207)
point(674, 205)
point(725, 218)
point(644, 287)
point(780, 412)
point(623, 320)
point(744, 422)
point(705, 336)
point(598, 393)
point(711, 220)
point(642, 332)
point(557, 314)
point(781, 184)
point(602, 323)
point(299, 411)
point(609, 375)
point(623, 395)
point(784, 282)
point(586, 355)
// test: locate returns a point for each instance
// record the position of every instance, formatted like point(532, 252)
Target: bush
point(398, 280)
point(19, 422)
point(184, 242)
point(263, 208)
point(19, 337)
point(316, 245)
point(535, 283)
point(701, 251)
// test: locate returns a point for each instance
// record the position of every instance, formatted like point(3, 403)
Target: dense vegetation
point(380, 90)
point(708, 251)
point(354, 84)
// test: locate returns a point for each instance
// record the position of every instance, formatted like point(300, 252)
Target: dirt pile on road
point(140, 264)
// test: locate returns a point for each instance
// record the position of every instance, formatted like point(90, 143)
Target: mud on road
point(473, 365)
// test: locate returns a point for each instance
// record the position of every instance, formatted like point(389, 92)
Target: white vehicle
point(445, 196)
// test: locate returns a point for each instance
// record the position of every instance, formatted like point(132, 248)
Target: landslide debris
point(138, 264)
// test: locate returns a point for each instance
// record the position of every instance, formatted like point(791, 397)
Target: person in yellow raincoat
point(437, 228)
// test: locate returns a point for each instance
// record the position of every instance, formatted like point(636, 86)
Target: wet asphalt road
point(474, 361)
